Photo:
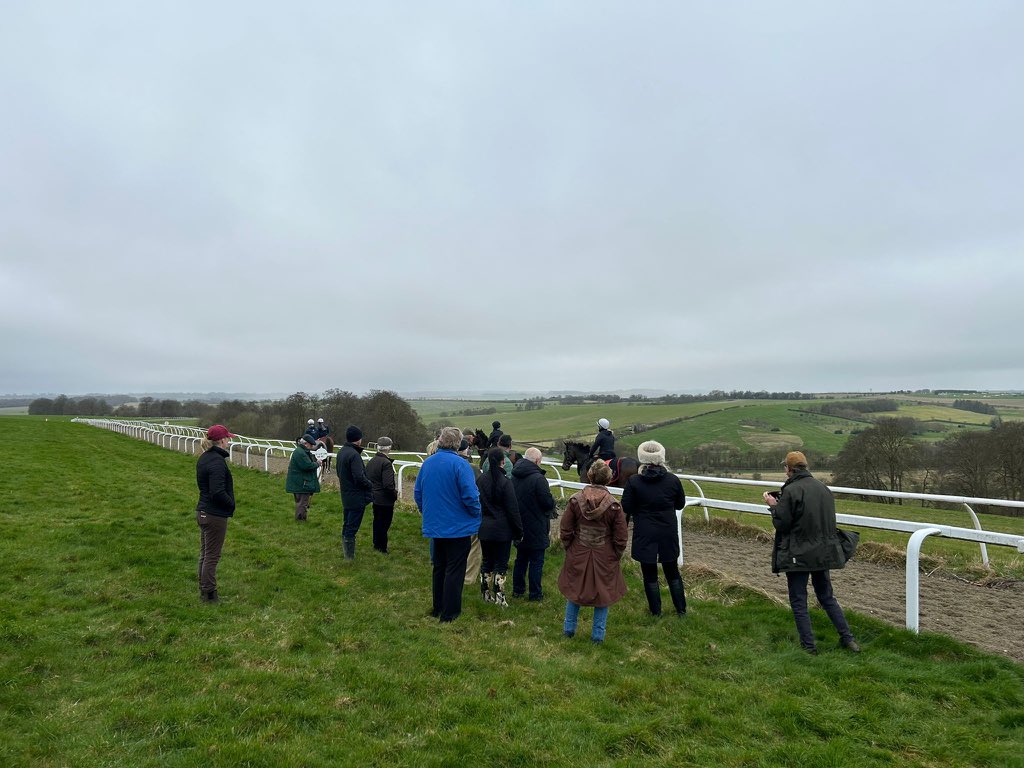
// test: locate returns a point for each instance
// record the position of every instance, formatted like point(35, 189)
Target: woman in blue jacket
point(447, 496)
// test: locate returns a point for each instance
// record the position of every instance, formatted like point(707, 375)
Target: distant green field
point(13, 410)
point(797, 429)
point(555, 420)
point(743, 424)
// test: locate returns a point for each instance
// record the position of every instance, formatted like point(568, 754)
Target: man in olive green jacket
point(302, 481)
point(806, 543)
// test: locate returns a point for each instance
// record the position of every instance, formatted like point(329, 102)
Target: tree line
point(982, 463)
point(378, 413)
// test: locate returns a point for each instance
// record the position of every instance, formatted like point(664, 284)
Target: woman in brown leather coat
point(593, 532)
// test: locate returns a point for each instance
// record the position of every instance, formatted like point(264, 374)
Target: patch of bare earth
point(988, 617)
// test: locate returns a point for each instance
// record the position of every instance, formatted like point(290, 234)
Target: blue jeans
point(797, 583)
point(572, 614)
point(534, 560)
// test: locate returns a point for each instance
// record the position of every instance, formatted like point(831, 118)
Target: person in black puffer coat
point(536, 509)
point(651, 498)
point(500, 525)
point(215, 506)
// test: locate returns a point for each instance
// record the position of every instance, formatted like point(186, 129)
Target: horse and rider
point(603, 447)
point(320, 434)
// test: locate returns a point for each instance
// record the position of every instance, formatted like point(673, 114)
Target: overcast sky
point(256, 197)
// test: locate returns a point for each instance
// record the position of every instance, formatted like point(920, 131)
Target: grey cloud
point(471, 195)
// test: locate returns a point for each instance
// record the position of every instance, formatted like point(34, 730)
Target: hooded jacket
point(356, 489)
point(805, 527)
point(302, 472)
point(650, 499)
point(500, 519)
point(593, 531)
point(536, 504)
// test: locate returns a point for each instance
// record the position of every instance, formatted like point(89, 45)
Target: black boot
point(653, 592)
point(211, 597)
point(349, 547)
point(675, 588)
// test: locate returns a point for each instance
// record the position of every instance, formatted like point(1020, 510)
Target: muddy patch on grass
point(988, 617)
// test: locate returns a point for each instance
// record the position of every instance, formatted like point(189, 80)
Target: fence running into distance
point(186, 438)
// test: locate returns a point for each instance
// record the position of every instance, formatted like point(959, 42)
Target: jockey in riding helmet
point(322, 430)
point(604, 443)
point(311, 431)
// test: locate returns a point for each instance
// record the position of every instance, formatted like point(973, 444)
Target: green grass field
point(742, 424)
point(109, 659)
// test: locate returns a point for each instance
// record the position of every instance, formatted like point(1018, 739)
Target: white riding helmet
point(603, 423)
point(320, 420)
point(310, 421)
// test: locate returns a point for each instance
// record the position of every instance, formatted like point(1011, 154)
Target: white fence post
point(913, 575)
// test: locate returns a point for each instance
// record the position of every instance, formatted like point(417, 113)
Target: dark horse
point(579, 454)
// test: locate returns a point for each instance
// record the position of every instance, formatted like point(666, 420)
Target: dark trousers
point(353, 519)
point(797, 583)
point(302, 504)
point(212, 530)
point(449, 574)
point(650, 572)
point(383, 514)
point(532, 560)
point(495, 556)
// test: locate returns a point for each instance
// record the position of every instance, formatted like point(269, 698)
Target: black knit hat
point(496, 424)
point(353, 433)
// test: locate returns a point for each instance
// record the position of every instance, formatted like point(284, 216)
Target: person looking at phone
point(806, 544)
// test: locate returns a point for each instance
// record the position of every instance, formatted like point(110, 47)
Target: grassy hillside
point(752, 425)
point(109, 660)
point(743, 424)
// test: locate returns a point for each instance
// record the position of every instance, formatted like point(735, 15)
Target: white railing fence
point(187, 438)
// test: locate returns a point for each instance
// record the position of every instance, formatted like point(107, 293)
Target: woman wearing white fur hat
point(650, 499)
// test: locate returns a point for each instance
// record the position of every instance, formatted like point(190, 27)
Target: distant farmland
point(741, 424)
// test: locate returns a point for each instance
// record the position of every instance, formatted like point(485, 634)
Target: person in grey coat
point(807, 544)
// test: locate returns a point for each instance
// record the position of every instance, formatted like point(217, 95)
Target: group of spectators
point(473, 520)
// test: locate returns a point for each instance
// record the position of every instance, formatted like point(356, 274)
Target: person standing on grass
point(302, 481)
point(447, 496)
point(650, 499)
point(216, 504)
point(381, 471)
point(499, 526)
point(593, 532)
point(806, 544)
point(356, 489)
point(536, 509)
